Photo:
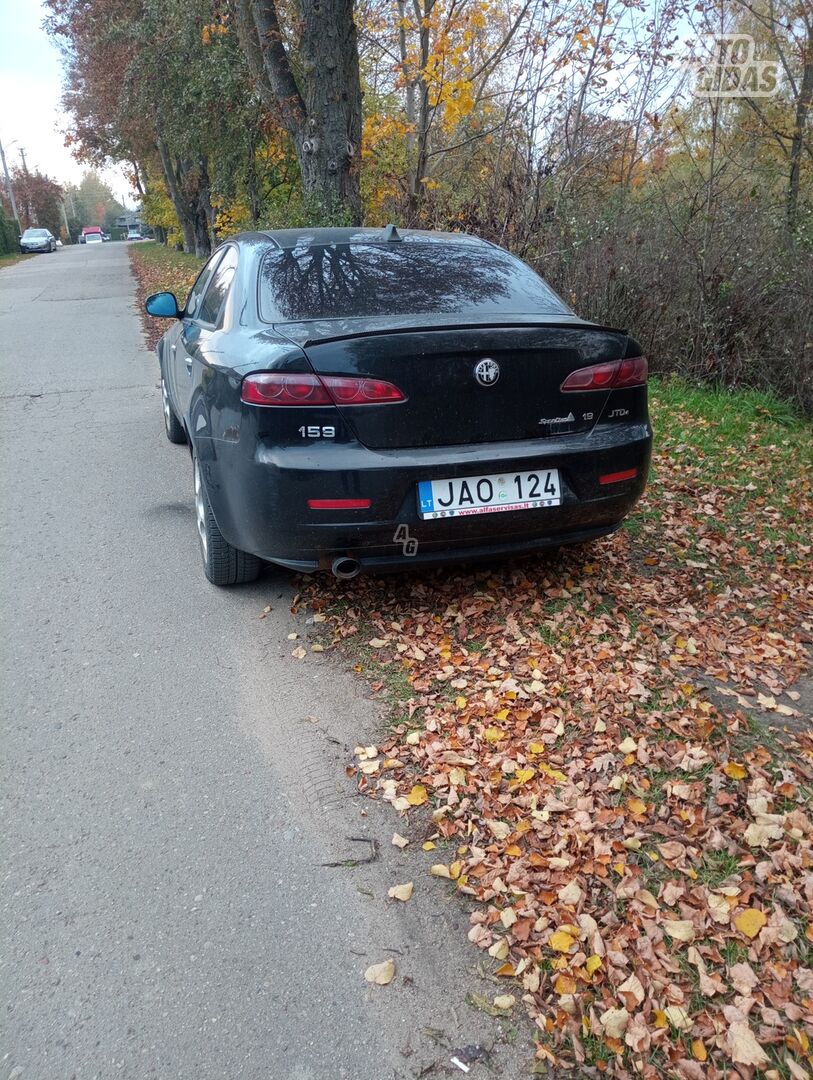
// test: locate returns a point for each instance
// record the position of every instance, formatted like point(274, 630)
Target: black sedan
point(364, 399)
point(37, 240)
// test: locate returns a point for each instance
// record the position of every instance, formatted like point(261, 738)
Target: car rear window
point(411, 278)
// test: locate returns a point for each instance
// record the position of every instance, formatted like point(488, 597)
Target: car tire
point(172, 425)
point(222, 563)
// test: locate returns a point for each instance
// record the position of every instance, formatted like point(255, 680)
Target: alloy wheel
point(165, 402)
point(200, 511)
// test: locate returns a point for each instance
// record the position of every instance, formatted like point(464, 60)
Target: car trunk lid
point(437, 369)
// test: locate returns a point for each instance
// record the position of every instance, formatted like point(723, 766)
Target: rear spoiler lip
point(565, 321)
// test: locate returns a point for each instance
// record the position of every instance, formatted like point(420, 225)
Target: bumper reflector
point(617, 477)
point(338, 504)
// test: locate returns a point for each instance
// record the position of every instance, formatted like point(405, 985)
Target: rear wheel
point(172, 425)
point(222, 563)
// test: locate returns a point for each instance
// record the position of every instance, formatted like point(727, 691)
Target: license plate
point(489, 494)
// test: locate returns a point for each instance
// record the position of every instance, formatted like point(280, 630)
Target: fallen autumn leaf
point(380, 974)
point(400, 892)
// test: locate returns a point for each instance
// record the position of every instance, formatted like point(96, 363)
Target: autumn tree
point(161, 86)
point(91, 202)
point(785, 27)
point(38, 198)
point(449, 66)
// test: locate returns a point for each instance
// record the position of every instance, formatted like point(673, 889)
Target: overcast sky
point(30, 90)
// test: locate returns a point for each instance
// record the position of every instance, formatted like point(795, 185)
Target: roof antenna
point(392, 236)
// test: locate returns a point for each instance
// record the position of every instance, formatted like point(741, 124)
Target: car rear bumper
point(260, 501)
point(461, 552)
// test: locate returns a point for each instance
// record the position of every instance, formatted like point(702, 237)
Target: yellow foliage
point(213, 30)
point(450, 68)
point(383, 160)
point(230, 217)
point(158, 209)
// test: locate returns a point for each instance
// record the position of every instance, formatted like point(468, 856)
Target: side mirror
point(163, 305)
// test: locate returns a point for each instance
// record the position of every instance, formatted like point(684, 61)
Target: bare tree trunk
point(203, 243)
point(323, 116)
point(423, 112)
point(188, 188)
point(801, 90)
point(409, 82)
point(252, 182)
point(137, 171)
point(424, 118)
point(205, 208)
point(803, 103)
point(177, 199)
point(332, 91)
point(709, 222)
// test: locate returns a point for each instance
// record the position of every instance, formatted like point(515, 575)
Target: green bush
point(9, 237)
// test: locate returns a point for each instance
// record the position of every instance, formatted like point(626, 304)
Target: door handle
point(173, 347)
point(188, 361)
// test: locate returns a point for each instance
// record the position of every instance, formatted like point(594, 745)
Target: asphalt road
point(172, 779)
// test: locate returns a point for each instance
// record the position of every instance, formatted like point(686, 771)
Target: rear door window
point(217, 289)
point(197, 290)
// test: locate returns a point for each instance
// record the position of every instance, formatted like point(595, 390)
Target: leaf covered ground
point(158, 269)
point(576, 740)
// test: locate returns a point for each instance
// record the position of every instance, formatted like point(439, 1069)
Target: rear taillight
point(610, 376)
point(279, 388)
point(632, 372)
point(350, 391)
point(272, 388)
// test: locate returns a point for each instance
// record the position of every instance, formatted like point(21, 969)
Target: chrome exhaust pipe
point(344, 567)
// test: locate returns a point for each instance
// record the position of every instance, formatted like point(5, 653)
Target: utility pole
point(65, 219)
point(29, 217)
point(10, 190)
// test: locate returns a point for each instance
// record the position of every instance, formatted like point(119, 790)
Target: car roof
point(325, 237)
